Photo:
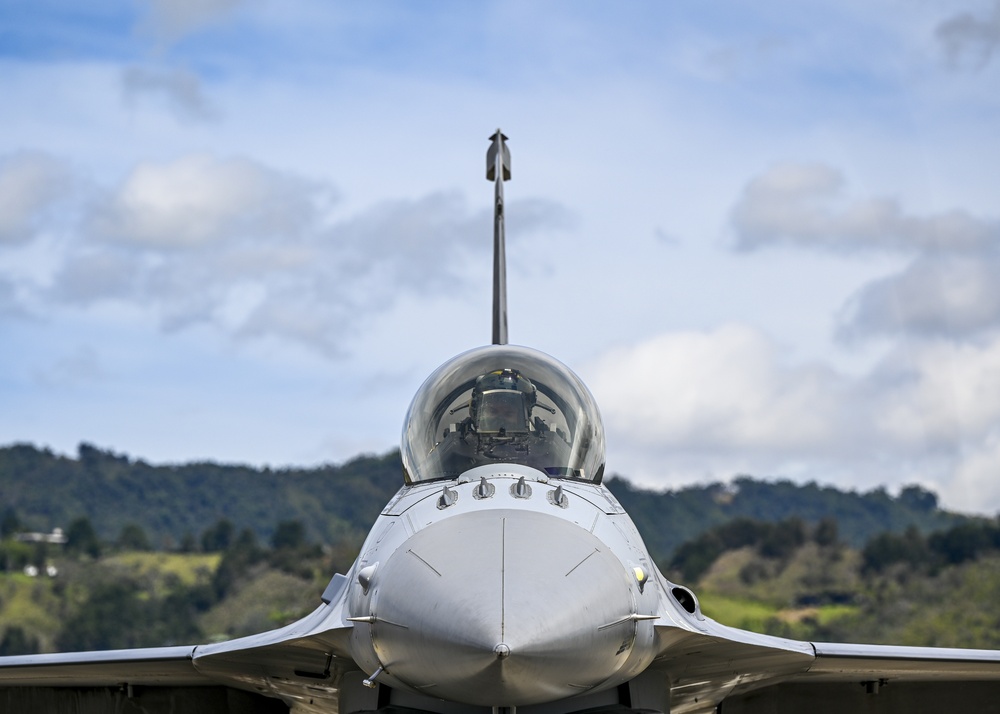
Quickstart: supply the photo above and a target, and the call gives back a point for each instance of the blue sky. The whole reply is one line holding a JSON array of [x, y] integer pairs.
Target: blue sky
[[765, 235]]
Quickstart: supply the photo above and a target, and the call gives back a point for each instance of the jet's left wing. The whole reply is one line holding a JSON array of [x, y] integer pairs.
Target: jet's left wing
[[877, 678], [714, 668]]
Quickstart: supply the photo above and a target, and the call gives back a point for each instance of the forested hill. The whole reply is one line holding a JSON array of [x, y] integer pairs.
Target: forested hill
[[172, 502], [669, 518], [338, 504]]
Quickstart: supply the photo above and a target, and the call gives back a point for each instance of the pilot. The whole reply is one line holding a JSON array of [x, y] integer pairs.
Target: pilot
[[501, 403]]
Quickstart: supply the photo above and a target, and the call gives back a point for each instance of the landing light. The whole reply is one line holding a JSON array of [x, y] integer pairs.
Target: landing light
[[640, 577]]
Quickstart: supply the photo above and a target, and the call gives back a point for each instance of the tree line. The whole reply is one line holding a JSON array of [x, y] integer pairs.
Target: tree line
[[911, 549], [339, 503], [110, 610]]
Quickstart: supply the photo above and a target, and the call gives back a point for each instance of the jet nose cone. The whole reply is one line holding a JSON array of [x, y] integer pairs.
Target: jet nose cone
[[502, 608]]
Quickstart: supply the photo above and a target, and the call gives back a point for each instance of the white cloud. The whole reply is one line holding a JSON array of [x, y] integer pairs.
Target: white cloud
[[220, 241], [257, 253], [728, 388], [936, 295], [423, 243], [803, 205], [948, 289], [413, 242], [977, 479], [95, 274], [199, 199], [31, 183], [938, 395], [715, 404]]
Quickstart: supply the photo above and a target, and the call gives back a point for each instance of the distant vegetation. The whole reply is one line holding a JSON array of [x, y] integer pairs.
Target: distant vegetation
[[62, 598], [667, 519], [157, 555], [174, 503], [337, 504], [816, 588]]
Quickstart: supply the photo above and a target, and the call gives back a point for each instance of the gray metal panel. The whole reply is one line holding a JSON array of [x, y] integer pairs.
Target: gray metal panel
[[335, 587], [151, 666], [838, 661]]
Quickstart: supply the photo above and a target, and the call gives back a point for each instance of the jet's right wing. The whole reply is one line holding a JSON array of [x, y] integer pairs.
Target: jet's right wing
[[300, 667]]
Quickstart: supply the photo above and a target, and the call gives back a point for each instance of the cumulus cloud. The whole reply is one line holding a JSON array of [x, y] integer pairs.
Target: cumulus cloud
[[200, 199], [31, 183], [367, 262], [728, 388], [92, 274], [938, 395], [728, 401], [170, 20], [181, 91], [804, 205], [211, 240], [977, 477], [935, 296], [948, 289], [258, 253], [969, 41], [411, 241]]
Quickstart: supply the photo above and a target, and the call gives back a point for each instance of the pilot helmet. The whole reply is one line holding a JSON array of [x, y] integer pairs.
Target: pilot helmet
[[501, 402]]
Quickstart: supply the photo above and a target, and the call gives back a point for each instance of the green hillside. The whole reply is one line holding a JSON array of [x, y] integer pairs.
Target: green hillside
[[666, 519], [171, 502], [940, 590], [147, 599], [338, 503]]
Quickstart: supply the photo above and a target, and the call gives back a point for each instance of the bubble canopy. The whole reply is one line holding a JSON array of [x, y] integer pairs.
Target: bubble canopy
[[503, 404]]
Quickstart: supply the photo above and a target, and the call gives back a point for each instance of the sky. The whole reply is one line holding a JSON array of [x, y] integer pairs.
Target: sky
[[765, 234]]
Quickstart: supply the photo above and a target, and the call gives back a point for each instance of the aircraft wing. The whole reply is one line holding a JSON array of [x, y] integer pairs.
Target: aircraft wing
[[298, 667], [98, 682], [731, 671], [153, 666]]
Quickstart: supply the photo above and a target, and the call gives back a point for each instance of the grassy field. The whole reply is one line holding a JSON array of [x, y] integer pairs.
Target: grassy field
[[41, 605], [754, 615], [187, 568], [33, 604]]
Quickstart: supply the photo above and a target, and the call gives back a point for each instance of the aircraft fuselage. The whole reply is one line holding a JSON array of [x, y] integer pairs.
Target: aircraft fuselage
[[503, 588]]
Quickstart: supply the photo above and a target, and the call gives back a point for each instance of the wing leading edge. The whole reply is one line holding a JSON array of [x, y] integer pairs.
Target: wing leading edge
[[714, 668], [154, 680], [300, 666], [884, 679], [146, 667]]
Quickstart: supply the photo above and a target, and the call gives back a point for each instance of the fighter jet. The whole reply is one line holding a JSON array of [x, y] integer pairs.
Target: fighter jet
[[504, 577]]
